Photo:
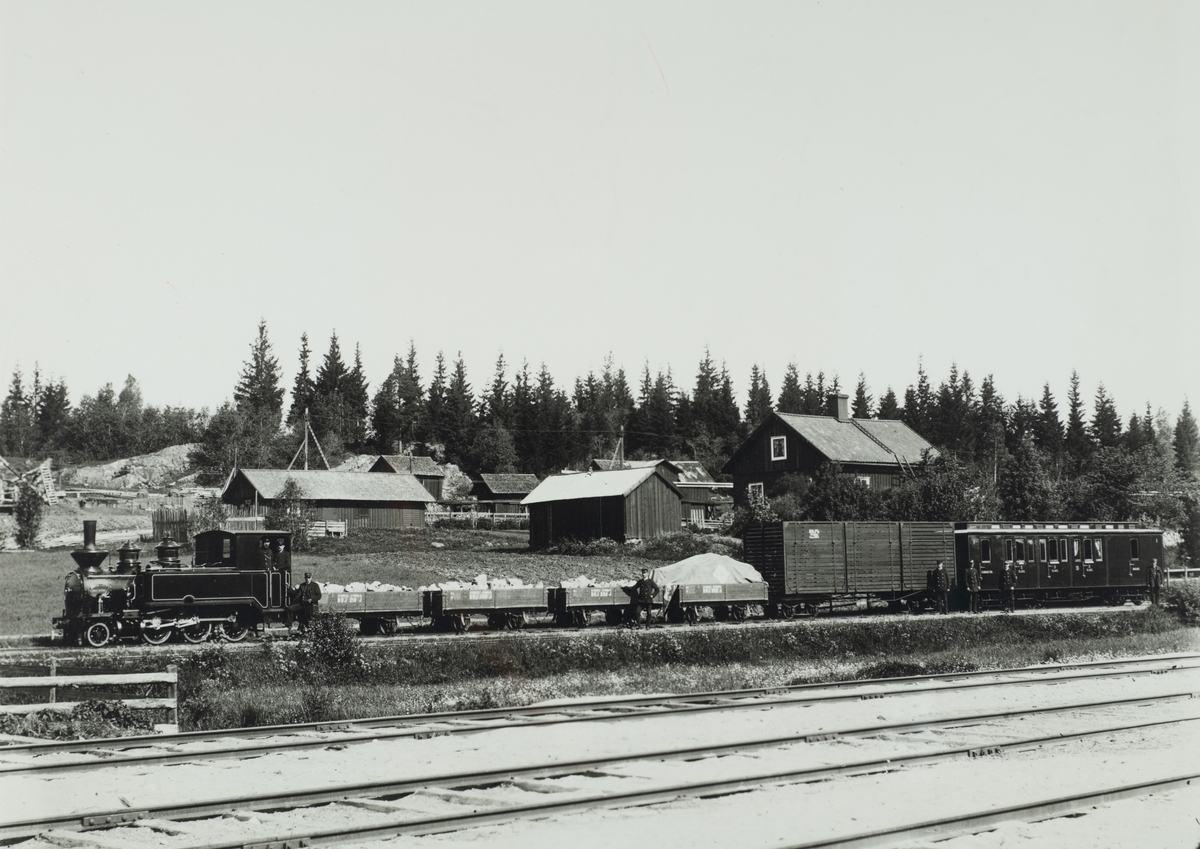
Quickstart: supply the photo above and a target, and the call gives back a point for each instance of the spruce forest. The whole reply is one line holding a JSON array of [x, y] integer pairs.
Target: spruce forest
[[1023, 459]]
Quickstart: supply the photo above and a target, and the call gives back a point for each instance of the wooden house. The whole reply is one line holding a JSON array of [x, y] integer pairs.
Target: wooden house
[[359, 500], [622, 504], [878, 451], [424, 469], [495, 493]]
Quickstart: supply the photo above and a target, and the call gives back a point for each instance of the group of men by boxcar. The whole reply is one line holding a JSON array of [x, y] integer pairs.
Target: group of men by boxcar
[[938, 584]]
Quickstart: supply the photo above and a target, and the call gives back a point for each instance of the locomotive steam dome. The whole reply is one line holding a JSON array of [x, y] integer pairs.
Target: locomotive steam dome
[[130, 556], [167, 551], [89, 557]]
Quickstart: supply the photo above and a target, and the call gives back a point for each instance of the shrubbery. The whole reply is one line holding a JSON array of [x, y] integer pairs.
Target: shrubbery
[[482, 521], [87, 720], [1183, 597]]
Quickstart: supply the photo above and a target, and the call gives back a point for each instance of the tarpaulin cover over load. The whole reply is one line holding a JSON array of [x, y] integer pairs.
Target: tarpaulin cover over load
[[706, 569]]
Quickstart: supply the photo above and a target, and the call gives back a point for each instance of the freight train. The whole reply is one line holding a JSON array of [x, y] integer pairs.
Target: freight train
[[239, 581]]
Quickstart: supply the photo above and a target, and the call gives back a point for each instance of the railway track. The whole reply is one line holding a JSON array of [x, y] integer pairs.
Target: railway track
[[28, 758], [386, 808]]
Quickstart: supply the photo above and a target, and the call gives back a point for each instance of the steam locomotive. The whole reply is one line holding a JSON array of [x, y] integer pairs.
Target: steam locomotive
[[239, 583]]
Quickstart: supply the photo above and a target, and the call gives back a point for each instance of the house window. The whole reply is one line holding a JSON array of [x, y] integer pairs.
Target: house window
[[865, 480], [754, 489], [778, 447]]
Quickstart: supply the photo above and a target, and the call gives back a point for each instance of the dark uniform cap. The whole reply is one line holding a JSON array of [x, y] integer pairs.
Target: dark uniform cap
[[308, 574]]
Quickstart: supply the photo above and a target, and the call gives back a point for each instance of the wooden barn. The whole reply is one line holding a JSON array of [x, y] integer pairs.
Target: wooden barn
[[424, 469], [502, 493], [878, 451], [360, 500], [704, 499], [622, 504]]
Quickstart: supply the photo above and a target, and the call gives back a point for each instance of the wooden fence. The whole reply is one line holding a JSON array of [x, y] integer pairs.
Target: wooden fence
[[172, 522], [54, 681]]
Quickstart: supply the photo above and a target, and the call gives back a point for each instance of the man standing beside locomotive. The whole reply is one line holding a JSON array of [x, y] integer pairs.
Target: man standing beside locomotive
[[643, 593], [971, 575], [308, 596]]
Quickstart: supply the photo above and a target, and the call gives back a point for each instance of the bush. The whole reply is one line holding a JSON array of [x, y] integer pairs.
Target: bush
[[291, 512], [482, 521], [28, 510], [330, 650], [1183, 597]]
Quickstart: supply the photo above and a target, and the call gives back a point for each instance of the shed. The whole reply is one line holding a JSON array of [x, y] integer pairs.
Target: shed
[[359, 500], [424, 469], [878, 451], [703, 499], [622, 504], [496, 493]]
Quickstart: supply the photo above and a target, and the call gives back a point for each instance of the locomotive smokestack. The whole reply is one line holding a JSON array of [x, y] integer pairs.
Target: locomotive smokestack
[[89, 557], [89, 534]]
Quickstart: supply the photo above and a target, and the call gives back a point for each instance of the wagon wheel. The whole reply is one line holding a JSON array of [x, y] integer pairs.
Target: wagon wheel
[[387, 626], [197, 633], [461, 623], [737, 613], [498, 621], [156, 636], [720, 613], [580, 619], [614, 616], [690, 615], [368, 627], [786, 611], [97, 634], [516, 621], [235, 632]]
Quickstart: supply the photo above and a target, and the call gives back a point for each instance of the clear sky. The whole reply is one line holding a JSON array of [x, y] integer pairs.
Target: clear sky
[[1011, 186]]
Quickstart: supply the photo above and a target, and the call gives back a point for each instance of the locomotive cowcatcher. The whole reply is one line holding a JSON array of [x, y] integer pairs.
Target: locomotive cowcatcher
[[238, 581]]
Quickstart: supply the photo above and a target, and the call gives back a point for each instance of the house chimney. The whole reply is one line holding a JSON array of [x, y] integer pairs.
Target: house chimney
[[839, 406]]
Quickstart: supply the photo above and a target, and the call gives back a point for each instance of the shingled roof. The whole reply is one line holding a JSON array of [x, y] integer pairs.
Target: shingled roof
[[880, 442], [592, 485], [335, 486], [510, 484], [423, 467]]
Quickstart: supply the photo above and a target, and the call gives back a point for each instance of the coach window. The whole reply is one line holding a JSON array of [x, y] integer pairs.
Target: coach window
[[985, 551], [1087, 550], [1020, 545], [1052, 551], [1008, 550], [1042, 550], [1099, 549], [778, 447], [1062, 550], [1134, 554], [226, 550]]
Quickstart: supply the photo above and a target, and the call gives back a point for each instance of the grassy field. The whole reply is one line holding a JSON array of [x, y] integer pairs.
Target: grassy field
[[33, 590]]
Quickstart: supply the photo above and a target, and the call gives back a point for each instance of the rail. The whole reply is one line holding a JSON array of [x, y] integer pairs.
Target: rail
[[54, 681]]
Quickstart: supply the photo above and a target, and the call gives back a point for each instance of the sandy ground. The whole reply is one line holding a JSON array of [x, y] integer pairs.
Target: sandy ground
[[777, 816]]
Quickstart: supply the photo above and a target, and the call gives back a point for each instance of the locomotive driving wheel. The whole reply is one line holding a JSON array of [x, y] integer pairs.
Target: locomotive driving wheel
[[156, 636], [197, 633], [235, 632], [98, 634]]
